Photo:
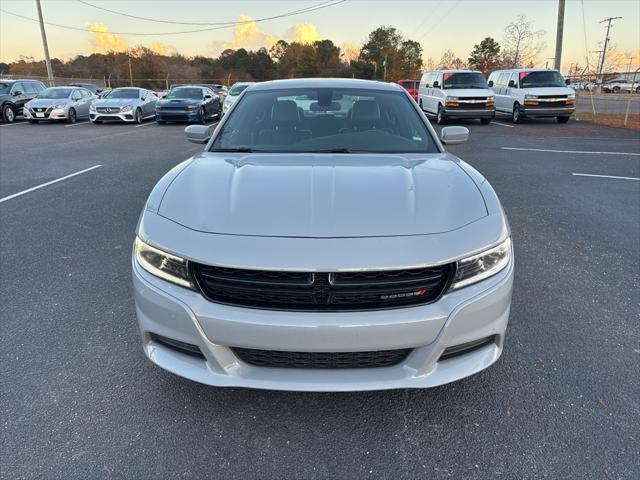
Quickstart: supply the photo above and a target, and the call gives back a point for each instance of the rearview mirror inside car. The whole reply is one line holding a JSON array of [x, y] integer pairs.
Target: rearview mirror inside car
[[198, 133], [454, 135]]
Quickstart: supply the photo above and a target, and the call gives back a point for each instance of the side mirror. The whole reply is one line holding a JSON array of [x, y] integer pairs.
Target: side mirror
[[490, 83], [198, 133], [567, 82], [454, 135], [512, 84], [436, 84], [208, 96], [16, 93], [143, 98]]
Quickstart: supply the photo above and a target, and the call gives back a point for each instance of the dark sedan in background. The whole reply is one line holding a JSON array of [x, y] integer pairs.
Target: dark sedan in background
[[188, 104]]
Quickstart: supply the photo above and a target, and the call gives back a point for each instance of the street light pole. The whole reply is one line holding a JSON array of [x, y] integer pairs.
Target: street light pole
[[45, 45]]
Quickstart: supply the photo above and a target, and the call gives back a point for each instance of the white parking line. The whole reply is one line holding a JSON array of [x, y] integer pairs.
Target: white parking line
[[12, 124], [568, 151], [77, 123], [493, 122], [145, 124], [48, 183], [604, 176]]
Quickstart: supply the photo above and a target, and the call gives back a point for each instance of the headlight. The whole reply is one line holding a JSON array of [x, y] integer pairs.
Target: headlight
[[92, 108], [191, 108], [451, 99], [530, 97], [491, 97], [473, 269], [55, 107], [126, 108], [571, 95], [162, 264]]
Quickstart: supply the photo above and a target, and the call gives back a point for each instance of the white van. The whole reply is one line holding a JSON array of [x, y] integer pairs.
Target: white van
[[532, 92], [456, 94]]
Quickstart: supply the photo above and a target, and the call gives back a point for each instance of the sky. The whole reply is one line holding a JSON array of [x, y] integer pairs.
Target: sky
[[439, 25]]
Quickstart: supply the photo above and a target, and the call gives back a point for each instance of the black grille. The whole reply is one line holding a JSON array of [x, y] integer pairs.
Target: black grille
[[322, 291], [279, 359]]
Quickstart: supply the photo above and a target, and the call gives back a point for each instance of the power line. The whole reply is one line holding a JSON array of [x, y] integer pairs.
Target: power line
[[221, 27], [287, 14]]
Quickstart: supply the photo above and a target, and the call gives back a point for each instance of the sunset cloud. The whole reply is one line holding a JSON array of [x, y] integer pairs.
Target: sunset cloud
[[103, 41], [303, 33], [249, 35]]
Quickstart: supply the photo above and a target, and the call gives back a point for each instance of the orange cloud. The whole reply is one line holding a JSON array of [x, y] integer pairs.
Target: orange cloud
[[303, 33], [103, 41], [249, 35]]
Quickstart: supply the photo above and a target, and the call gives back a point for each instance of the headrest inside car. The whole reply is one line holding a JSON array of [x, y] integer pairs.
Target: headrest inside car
[[285, 111], [365, 111]]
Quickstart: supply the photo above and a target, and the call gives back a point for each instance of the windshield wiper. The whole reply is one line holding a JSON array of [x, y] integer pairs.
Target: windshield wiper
[[338, 150]]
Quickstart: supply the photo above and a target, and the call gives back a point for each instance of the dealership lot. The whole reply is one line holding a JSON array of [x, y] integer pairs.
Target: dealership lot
[[81, 401]]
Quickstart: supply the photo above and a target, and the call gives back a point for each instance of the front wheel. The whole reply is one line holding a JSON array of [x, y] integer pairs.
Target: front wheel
[[562, 119], [637, 89], [71, 118], [138, 116], [440, 119], [485, 121], [616, 90], [516, 115], [8, 114]]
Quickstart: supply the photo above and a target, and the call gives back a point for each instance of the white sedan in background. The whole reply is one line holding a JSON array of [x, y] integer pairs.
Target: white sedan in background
[[235, 91]]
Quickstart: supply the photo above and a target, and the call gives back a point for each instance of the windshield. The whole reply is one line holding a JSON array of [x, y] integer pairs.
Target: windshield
[[124, 93], [410, 84], [544, 78], [325, 120], [463, 80], [55, 93], [185, 92], [5, 87], [237, 90]]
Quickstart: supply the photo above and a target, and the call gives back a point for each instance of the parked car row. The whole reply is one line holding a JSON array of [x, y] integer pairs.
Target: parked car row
[[183, 103], [518, 93]]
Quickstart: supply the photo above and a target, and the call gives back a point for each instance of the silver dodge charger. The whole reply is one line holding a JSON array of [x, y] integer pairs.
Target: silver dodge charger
[[324, 240]]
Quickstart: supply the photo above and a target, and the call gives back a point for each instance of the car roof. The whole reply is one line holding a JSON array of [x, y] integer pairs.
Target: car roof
[[463, 70], [325, 83], [539, 69]]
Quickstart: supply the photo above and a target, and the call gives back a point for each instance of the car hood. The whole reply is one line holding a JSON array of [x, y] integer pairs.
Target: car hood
[[469, 92], [323, 196], [46, 102], [179, 102], [116, 102], [548, 91]]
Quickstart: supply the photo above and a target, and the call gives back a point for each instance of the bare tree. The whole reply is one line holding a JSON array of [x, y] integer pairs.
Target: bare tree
[[521, 42], [449, 60]]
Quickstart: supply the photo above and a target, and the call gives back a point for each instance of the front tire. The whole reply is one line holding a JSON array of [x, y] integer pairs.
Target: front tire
[[72, 117], [138, 116], [562, 119], [8, 114], [485, 121], [516, 115], [616, 90], [440, 119]]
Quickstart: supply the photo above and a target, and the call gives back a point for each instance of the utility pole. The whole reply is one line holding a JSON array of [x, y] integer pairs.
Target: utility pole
[[130, 71], [606, 42], [45, 45], [559, 33]]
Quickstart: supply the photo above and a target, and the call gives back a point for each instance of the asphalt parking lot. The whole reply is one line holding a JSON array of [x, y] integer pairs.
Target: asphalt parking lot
[[81, 401]]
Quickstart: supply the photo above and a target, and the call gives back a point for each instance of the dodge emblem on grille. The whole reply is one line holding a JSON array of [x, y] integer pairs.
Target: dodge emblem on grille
[[403, 295]]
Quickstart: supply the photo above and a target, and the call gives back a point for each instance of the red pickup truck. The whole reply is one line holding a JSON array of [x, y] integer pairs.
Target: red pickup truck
[[411, 86]]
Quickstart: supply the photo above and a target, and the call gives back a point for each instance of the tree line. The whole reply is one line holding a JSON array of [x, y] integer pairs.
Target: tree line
[[385, 55]]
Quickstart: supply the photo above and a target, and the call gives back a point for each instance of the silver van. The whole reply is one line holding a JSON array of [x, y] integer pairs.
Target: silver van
[[456, 94], [532, 92]]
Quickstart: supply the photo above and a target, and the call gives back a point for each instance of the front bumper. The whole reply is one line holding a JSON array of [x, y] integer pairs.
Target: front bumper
[[105, 117], [178, 116], [548, 111], [47, 114], [469, 113], [476, 312]]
